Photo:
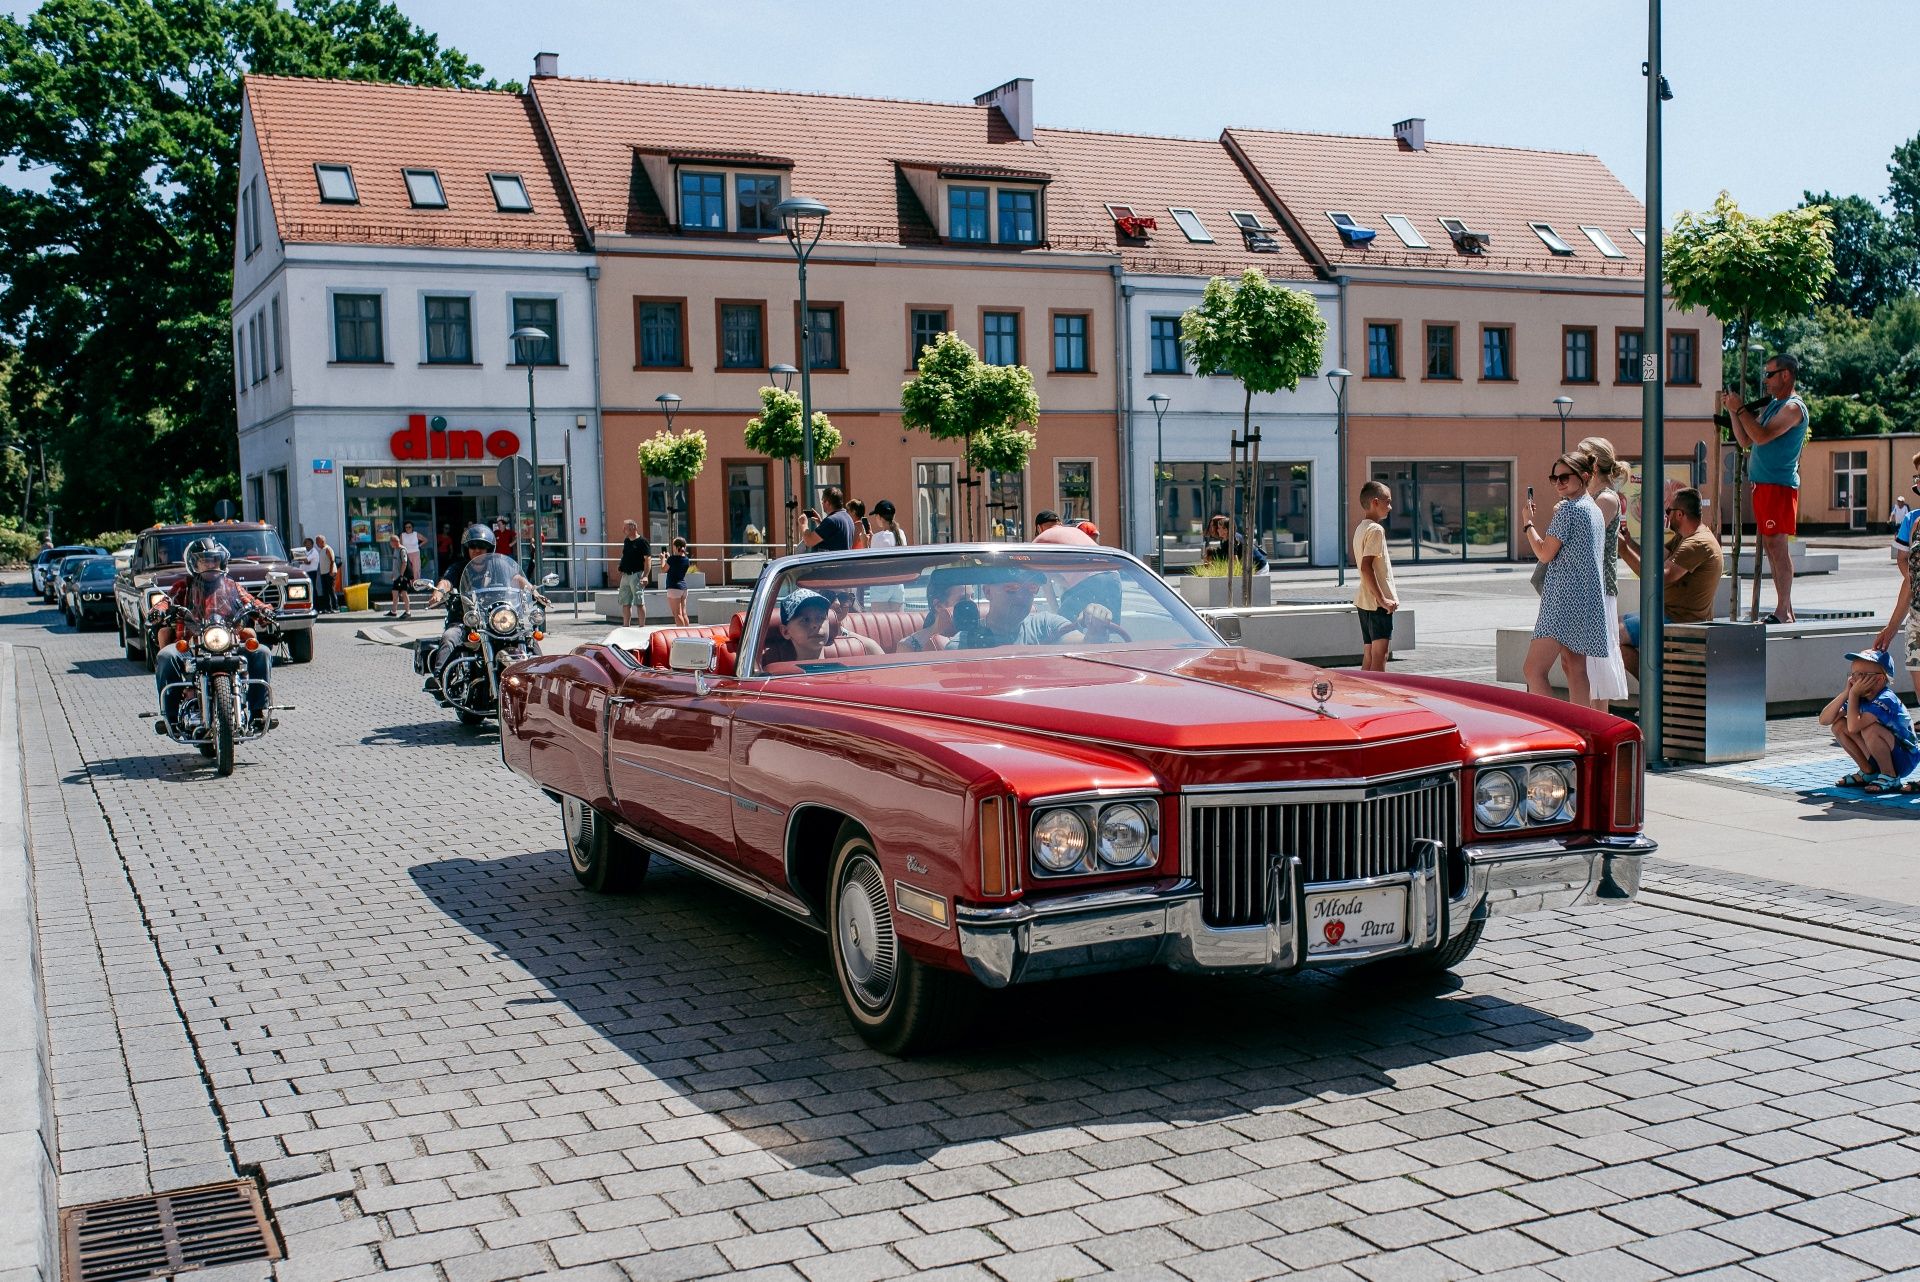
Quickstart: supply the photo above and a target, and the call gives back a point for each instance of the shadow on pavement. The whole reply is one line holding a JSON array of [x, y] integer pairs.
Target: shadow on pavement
[[423, 734], [107, 669], [735, 1005]]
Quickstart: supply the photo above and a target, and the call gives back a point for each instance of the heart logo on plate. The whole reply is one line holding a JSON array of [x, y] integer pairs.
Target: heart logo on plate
[[1334, 930]]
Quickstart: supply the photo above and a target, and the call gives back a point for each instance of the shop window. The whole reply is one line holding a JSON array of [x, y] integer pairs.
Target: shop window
[[449, 330], [927, 324], [933, 485], [1442, 360], [1627, 346], [356, 329], [1683, 358], [1006, 506], [1019, 217], [1445, 511], [746, 502], [1383, 350], [703, 201], [1279, 509], [967, 213], [1496, 354], [1163, 338], [742, 336], [1070, 343], [1576, 364], [542, 314], [755, 197], [1000, 338], [662, 328]]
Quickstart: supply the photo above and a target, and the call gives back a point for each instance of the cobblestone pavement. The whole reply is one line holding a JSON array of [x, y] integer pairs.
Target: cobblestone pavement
[[361, 968]]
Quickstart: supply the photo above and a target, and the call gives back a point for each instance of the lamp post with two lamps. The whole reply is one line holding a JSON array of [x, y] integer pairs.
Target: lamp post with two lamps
[[800, 216], [526, 342], [1159, 401], [1337, 380], [781, 376]]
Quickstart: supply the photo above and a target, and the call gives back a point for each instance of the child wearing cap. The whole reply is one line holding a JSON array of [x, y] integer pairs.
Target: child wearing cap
[[1869, 721], [799, 631]]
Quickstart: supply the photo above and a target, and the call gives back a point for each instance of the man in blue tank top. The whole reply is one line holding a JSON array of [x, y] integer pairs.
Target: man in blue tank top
[[1776, 436]]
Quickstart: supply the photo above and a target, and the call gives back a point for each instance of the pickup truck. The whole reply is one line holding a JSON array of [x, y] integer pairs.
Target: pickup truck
[[259, 564]]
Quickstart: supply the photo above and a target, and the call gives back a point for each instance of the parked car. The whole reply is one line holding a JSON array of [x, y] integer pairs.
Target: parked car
[[123, 555], [86, 593], [62, 574], [1089, 779], [48, 561], [259, 564]]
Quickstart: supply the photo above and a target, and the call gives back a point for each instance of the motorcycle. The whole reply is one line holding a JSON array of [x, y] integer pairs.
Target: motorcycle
[[209, 702], [502, 624]]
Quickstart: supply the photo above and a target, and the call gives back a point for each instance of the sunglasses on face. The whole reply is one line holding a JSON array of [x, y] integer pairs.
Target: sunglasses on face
[[1557, 477], [1771, 372]]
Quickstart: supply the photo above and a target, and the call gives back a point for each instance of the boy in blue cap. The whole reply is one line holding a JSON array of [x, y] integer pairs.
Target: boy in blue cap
[[1870, 722]]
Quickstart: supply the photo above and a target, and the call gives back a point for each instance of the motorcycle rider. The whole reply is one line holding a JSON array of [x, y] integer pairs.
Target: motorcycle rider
[[206, 590], [483, 567]]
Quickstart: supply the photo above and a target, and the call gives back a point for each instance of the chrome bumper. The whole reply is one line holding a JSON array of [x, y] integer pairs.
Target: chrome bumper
[[1159, 924]]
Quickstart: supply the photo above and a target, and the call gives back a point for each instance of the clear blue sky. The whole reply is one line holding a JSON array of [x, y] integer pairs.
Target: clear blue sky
[[1824, 111]]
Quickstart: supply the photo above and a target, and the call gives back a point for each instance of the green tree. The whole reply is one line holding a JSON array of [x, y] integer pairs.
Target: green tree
[[775, 432], [1903, 188], [1872, 262], [990, 408], [676, 458], [1265, 335], [115, 267], [1748, 272]]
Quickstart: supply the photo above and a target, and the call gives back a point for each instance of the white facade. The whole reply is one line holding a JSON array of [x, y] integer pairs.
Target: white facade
[[315, 429], [1204, 415]]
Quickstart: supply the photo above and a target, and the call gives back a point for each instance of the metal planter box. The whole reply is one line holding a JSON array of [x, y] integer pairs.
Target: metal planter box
[[1714, 696]]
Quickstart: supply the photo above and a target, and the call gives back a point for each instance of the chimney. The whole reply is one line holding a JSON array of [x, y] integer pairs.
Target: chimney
[[546, 65], [1411, 133], [1015, 100]]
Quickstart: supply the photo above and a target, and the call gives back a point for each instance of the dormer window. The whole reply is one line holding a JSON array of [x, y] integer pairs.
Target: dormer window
[[967, 213], [703, 201], [424, 190], [1019, 216], [510, 194], [336, 185], [1551, 239], [755, 198]]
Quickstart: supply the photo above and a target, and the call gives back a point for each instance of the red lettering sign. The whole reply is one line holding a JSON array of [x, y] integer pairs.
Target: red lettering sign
[[414, 443]]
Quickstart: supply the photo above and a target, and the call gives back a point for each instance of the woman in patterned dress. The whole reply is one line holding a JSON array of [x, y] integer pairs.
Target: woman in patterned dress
[[1607, 674], [1573, 615]]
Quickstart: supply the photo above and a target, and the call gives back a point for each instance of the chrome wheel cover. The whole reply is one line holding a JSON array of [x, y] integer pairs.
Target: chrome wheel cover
[[578, 819], [869, 949]]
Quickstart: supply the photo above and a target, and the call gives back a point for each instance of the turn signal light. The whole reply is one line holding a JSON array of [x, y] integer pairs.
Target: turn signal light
[[473, 638], [539, 636], [1626, 785], [181, 646], [252, 644], [993, 854]]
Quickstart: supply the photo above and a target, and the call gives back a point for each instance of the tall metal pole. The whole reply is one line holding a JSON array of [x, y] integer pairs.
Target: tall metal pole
[[572, 527], [806, 384], [533, 438], [1159, 403], [46, 488], [1652, 425], [1340, 468]]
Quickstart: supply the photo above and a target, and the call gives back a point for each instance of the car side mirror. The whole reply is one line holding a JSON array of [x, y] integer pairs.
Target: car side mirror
[[136, 564], [695, 655]]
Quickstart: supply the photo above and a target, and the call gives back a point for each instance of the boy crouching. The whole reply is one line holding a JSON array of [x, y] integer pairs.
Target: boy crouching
[[1869, 721]]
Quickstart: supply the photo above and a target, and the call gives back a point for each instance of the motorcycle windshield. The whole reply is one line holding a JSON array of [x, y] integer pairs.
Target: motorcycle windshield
[[489, 573], [505, 610], [220, 604]]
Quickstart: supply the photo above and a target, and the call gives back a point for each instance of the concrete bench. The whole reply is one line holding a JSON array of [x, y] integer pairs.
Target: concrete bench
[[654, 605], [1805, 560], [1324, 634]]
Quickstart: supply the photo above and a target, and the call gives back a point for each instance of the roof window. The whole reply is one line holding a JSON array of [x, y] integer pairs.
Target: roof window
[[510, 194], [1639, 234], [1466, 240], [1603, 242], [1405, 231], [424, 189], [336, 184], [1350, 231], [1259, 240], [1190, 225], [1551, 239], [1129, 223]]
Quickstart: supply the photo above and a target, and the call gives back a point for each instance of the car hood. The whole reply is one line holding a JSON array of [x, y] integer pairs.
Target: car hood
[[1177, 699]]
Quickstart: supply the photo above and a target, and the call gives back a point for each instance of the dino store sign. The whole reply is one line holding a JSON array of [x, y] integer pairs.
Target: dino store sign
[[417, 443]]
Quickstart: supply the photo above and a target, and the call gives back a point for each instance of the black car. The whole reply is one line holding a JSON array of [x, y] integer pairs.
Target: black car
[[86, 592], [49, 561]]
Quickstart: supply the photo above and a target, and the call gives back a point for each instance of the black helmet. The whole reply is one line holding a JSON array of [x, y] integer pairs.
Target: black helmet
[[478, 534], [202, 550]]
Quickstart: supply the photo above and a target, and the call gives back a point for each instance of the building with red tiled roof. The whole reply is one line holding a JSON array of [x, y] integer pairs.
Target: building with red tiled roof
[[388, 241]]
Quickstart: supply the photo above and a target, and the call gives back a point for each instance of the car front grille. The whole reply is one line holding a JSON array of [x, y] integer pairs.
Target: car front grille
[[1339, 835]]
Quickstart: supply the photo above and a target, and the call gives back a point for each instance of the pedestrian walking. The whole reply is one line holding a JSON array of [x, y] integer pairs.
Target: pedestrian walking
[[1898, 516], [410, 549], [636, 560], [308, 559], [323, 600], [677, 566], [1572, 626], [1776, 435], [1607, 673], [1375, 598]]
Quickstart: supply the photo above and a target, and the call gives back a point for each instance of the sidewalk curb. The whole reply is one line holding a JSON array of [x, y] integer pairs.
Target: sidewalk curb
[[29, 1198]]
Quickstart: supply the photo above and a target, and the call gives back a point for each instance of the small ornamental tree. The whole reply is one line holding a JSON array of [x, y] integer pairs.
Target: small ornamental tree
[[1748, 273], [775, 432], [959, 397], [676, 458], [1265, 335]]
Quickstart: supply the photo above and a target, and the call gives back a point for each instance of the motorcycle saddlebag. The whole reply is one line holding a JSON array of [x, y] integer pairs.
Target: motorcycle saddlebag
[[422, 654]]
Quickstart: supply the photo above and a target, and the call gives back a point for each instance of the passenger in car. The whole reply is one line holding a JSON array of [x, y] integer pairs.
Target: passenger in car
[[945, 589], [800, 635], [1011, 620]]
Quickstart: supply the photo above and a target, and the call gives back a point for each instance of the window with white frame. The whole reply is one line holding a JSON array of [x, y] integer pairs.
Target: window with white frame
[[1190, 225], [1403, 227], [1602, 241]]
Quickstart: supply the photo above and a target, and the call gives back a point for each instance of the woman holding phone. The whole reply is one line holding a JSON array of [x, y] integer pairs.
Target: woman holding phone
[[1572, 626]]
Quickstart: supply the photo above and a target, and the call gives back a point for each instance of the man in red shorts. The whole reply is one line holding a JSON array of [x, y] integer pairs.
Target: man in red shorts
[[1776, 436]]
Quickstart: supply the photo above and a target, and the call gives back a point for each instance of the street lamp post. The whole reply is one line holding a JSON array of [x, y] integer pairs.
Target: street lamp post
[[1653, 603], [669, 406], [782, 376], [1159, 401], [1337, 379], [526, 341], [799, 216], [1564, 404]]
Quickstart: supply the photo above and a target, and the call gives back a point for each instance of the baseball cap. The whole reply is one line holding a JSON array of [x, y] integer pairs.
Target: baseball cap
[[1878, 657], [884, 508], [1046, 515], [800, 599], [1091, 530]]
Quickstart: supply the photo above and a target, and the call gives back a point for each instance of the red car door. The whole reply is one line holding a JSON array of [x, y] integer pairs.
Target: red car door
[[668, 751]]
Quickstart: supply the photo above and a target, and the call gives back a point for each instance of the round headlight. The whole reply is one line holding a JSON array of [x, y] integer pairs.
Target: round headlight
[[216, 640], [1494, 799], [1548, 793], [1059, 840], [503, 619], [1123, 835]]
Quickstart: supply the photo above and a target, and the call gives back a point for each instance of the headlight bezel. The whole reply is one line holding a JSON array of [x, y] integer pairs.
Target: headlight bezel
[[503, 620], [1518, 778], [1091, 814], [1494, 811], [216, 639]]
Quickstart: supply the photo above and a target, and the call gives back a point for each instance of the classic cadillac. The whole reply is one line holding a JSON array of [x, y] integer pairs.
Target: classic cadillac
[[974, 766]]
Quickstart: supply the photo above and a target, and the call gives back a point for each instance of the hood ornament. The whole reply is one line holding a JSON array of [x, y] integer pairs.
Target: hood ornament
[[1321, 690]]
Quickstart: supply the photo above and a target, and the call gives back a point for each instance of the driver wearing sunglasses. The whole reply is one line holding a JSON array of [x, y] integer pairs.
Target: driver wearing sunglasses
[[1010, 618]]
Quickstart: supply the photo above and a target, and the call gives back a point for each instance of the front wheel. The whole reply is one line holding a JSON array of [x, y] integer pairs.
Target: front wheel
[[898, 1005], [222, 695], [603, 861], [300, 647]]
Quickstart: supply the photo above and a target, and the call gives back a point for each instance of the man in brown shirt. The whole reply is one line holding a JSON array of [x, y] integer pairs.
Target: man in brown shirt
[[1695, 565]]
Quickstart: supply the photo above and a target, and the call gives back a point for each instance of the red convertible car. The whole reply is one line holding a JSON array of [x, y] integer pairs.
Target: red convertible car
[[980, 766]]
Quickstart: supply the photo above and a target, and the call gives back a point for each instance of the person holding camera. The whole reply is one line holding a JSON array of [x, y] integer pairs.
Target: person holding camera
[[832, 532], [1776, 433]]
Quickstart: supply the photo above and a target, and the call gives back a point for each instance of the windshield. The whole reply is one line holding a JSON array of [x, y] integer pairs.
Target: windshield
[[490, 571], [95, 568], [257, 545], [71, 565], [914, 606]]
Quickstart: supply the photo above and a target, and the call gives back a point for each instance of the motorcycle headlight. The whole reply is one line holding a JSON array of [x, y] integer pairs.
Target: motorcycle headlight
[[217, 640], [1494, 799], [1549, 793], [1059, 840], [503, 619], [1124, 833]]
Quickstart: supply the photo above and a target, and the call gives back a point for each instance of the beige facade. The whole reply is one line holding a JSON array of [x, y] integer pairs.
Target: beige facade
[[1850, 484]]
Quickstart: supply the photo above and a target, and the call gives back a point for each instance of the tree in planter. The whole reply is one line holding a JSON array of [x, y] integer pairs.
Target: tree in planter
[[959, 397], [1265, 335], [775, 432], [676, 458], [1748, 272]]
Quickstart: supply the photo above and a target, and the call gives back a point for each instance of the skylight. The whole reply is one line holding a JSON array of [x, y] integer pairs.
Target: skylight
[[1258, 241], [1119, 212], [1191, 225], [1551, 238], [1603, 242], [336, 184], [1350, 231], [1405, 231], [1466, 240], [1638, 234], [510, 193], [424, 190]]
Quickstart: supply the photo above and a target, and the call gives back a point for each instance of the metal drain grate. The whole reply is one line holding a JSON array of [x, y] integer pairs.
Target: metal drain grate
[[153, 1237]]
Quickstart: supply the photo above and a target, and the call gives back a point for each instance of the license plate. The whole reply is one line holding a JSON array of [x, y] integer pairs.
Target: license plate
[[1356, 921]]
